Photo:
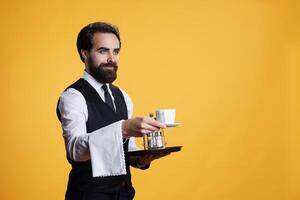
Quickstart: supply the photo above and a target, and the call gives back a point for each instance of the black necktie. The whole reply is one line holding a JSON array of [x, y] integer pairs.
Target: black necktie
[[109, 101], [107, 97]]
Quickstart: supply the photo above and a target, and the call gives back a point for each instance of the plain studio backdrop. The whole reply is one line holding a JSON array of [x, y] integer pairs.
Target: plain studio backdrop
[[229, 67]]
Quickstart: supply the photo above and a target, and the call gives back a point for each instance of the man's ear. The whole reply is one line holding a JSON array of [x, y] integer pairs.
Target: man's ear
[[84, 54]]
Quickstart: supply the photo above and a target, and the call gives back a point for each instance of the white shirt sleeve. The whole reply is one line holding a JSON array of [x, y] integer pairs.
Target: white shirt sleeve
[[73, 110]]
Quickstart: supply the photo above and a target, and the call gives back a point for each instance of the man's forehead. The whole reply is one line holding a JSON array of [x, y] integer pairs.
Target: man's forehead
[[108, 40]]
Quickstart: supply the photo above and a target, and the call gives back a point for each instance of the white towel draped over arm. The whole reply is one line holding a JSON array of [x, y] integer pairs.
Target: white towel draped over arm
[[107, 153]]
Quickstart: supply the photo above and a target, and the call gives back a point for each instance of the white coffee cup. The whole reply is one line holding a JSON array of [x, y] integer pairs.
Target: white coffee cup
[[166, 116]]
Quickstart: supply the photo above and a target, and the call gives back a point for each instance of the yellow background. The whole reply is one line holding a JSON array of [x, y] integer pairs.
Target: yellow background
[[229, 67]]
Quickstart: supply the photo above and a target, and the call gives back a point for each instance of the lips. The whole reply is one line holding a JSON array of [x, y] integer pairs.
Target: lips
[[110, 68]]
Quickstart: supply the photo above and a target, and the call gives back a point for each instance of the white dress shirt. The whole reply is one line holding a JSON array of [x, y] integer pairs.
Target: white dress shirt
[[104, 147]]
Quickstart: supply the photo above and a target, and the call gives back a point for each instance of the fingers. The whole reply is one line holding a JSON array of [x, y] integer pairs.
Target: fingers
[[153, 122], [148, 127], [144, 128], [140, 126]]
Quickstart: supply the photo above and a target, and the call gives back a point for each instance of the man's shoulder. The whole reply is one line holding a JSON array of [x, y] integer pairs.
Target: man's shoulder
[[71, 95], [79, 84], [69, 100], [82, 88], [73, 92]]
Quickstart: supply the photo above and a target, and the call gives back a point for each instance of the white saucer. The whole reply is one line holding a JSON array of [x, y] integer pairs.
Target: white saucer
[[172, 125]]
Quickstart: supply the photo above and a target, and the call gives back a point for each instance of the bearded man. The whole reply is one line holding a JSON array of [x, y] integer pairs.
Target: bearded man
[[97, 123]]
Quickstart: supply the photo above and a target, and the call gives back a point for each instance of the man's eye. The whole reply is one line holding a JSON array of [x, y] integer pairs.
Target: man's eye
[[116, 52], [102, 51]]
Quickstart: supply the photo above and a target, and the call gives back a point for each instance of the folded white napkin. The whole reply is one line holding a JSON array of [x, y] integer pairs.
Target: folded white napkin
[[106, 151]]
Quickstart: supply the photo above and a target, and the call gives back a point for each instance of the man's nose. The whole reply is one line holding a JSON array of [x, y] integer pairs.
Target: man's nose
[[110, 57]]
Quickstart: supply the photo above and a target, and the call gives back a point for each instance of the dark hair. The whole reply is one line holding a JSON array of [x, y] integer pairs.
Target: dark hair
[[85, 36]]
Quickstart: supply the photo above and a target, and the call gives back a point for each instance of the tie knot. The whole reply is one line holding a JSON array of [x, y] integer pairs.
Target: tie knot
[[104, 87]]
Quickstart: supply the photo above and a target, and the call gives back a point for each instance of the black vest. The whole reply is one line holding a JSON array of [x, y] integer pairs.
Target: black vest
[[99, 115]]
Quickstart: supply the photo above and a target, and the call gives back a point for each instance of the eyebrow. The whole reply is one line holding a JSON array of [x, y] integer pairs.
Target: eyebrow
[[106, 49]]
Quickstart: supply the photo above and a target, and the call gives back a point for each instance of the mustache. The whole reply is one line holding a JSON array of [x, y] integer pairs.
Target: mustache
[[110, 64]]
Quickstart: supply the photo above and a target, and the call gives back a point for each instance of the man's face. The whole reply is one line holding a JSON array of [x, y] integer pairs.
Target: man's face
[[102, 60]]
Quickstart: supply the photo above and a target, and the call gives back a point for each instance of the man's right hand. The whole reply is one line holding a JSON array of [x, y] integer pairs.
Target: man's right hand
[[139, 126]]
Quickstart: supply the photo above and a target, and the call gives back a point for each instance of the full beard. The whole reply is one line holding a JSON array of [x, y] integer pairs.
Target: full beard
[[105, 72]]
